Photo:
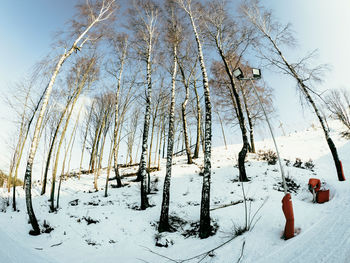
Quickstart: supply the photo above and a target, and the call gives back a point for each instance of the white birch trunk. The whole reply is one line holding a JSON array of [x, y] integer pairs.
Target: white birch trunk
[[164, 215]]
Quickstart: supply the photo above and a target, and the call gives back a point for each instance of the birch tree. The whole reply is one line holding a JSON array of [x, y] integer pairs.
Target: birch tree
[[143, 23], [205, 227], [173, 37]]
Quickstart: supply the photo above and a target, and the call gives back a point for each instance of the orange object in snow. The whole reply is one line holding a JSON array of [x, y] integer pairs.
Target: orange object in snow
[[322, 196], [342, 171], [287, 207], [314, 184]]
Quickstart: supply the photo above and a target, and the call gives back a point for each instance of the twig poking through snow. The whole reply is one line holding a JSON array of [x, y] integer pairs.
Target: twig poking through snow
[[240, 257]]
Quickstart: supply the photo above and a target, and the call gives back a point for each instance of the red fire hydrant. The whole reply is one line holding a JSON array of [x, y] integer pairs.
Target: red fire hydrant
[[319, 196], [314, 187], [287, 208]]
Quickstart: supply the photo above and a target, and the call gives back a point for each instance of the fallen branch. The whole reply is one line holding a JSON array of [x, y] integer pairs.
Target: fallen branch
[[231, 204], [55, 245], [149, 170]]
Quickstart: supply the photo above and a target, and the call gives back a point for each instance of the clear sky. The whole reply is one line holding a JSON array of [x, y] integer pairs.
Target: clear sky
[[27, 28]]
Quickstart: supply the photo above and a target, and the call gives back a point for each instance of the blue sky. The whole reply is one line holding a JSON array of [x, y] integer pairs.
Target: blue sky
[[27, 29]]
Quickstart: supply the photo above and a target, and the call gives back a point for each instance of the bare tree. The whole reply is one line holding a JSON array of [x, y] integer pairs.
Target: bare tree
[[338, 104], [273, 35]]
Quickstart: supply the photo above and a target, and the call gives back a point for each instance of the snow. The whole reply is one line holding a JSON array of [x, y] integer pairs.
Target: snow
[[125, 234]]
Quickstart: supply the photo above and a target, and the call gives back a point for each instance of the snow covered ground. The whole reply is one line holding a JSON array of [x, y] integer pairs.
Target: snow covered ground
[[122, 233]]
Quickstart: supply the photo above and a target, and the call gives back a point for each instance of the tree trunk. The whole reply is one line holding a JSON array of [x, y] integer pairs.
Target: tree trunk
[[70, 145], [116, 120], [54, 172], [22, 138], [116, 168], [184, 119], [157, 140], [199, 118], [163, 154], [110, 157], [142, 170], [84, 143], [35, 142], [99, 152], [152, 134], [95, 146], [162, 133], [164, 215], [242, 154], [205, 227], [58, 192]]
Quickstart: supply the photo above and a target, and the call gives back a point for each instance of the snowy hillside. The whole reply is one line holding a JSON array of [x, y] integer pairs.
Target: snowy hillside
[[91, 228]]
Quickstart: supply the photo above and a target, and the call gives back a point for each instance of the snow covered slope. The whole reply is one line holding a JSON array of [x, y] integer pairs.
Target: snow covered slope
[[122, 233]]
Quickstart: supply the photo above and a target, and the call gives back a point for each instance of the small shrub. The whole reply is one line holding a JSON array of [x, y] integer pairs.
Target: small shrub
[[90, 220], [287, 162], [91, 242], [298, 163], [269, 156], [161, 241], [46, 228], [291, 185], [310, 165], [239, 230], [194, 229]]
